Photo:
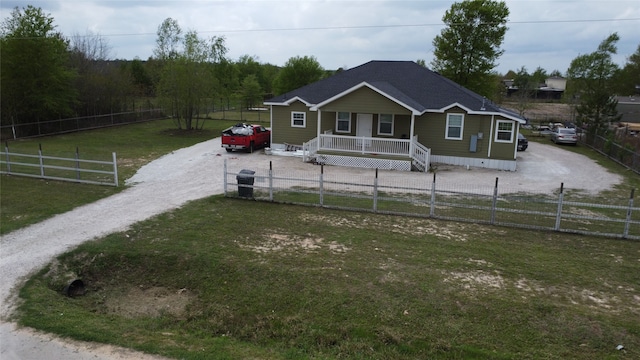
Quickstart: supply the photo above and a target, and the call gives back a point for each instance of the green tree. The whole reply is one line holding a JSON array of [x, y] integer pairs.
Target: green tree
[[228, 82], [628, 80], [188, 83], [36, 81], [466, 50], [555, 73], [264, 73], [539, 77], [169, 38], [591, 82], [141, 78], [297, 72], [526, 85], [251, 92]]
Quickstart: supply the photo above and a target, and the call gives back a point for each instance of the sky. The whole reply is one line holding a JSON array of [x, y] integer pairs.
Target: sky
[[345, 34]]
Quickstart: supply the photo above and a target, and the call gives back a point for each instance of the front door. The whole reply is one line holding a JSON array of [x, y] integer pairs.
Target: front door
[[364, 127]]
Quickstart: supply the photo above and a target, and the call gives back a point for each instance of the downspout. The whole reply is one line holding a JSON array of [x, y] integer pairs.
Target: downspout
[[319, 128], [490, 136], [271, 124], [515, 148]]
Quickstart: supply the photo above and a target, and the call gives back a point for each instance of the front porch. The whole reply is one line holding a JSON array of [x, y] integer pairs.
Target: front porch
[[367, 152]]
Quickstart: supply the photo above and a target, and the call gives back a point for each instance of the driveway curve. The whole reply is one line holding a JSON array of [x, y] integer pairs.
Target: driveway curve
[[196, 172]]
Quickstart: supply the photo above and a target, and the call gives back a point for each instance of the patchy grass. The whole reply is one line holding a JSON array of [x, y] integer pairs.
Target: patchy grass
[[225, 278], [25, 201]]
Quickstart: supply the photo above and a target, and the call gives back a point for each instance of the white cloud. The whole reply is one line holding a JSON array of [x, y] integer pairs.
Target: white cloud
[[545, 33]]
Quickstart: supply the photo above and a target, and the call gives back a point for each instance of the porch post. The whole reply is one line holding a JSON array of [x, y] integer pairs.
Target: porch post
[[319, 129], [411, 132]]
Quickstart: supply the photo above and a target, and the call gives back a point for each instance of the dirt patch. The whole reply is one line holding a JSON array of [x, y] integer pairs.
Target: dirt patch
[[400, 225], [483, 281], [148, 302], [544, 112], [278, 242], [478, 280]]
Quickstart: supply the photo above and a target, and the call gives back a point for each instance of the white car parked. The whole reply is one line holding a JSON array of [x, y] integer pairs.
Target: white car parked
[[561, 135]]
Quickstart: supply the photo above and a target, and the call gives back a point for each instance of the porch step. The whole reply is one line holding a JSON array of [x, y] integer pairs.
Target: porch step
[[292, 147], [416, 166]]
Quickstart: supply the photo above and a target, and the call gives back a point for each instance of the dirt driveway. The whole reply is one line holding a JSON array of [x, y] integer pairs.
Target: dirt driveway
[[194, 173]]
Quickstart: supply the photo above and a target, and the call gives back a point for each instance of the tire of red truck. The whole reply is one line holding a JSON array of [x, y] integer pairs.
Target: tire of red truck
[[229, 149]]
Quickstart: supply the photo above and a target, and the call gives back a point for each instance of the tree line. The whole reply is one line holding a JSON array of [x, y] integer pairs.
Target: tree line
[[46, 75]]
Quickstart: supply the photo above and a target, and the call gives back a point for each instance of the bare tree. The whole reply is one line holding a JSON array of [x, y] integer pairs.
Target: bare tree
[[103, 88], [92, 46]]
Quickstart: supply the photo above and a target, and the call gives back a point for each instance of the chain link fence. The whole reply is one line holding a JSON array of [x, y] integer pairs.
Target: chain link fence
[[625, 155], [392, 193], [60, 126]]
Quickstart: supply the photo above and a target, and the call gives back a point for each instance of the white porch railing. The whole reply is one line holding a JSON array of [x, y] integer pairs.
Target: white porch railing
[[309, 149], [364, 145], [420, 156], [368, 145]]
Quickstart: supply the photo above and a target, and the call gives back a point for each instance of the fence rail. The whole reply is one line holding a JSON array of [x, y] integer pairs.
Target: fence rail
[[61, 126], [75, 169], [623, 155], [426, 197]]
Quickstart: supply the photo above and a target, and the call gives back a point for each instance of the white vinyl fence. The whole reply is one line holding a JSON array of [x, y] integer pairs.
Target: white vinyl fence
[[98, 172], [390, 193]]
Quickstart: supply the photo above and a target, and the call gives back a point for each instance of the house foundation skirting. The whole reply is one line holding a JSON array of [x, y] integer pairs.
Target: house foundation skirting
[[509, 165], [363, 162]]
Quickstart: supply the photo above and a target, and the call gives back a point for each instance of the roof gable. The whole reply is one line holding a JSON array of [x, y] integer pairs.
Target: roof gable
[[383, 89]]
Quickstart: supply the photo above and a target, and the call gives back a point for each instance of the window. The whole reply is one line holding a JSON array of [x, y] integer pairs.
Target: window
[[385, 124], [343, 122], [455, 123], [298, 119], [504, 131]]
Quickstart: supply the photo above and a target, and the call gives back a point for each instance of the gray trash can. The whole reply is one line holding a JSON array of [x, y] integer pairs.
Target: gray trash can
[[245, 183]]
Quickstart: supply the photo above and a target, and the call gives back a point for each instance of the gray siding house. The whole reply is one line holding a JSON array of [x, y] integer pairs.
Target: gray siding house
[[395, 115]]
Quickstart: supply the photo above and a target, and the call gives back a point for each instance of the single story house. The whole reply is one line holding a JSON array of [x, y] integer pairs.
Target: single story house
[[394, 115], [552, 89]]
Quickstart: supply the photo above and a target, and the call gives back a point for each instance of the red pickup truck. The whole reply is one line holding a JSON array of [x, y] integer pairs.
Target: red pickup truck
[[245, 137]]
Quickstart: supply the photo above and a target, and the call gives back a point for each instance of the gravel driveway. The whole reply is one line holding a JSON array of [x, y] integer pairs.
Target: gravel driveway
[[194, 173]]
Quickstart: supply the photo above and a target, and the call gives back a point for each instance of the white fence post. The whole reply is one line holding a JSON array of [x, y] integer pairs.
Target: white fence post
[[41, 160], [225, 177], [494, 203], [375, 192], [432, 205], [321, 185], [270, 180], [304, 151], [115, 168], [628, 220], [6, 151], [77, 164]]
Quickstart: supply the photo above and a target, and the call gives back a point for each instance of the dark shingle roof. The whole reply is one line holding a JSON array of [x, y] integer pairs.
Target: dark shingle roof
[[406, 81]]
